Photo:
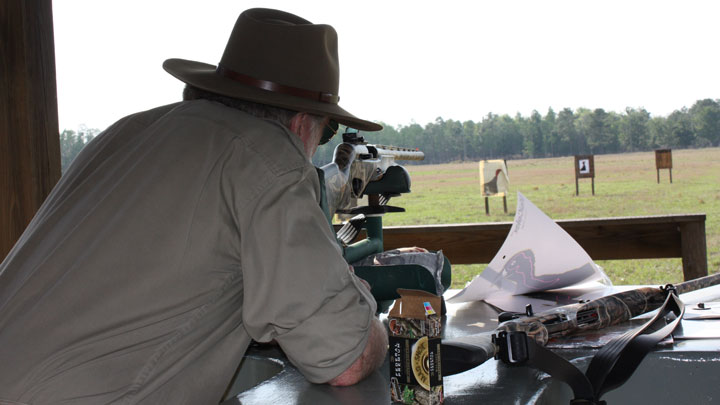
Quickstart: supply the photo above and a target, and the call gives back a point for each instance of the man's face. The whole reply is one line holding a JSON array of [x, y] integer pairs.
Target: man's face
[[310, 129]]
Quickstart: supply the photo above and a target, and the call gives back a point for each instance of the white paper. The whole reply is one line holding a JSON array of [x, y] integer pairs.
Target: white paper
[[545, 300], [537, 255]]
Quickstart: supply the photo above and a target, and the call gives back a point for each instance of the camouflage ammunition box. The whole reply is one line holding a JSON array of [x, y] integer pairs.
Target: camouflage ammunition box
[[415, 367]]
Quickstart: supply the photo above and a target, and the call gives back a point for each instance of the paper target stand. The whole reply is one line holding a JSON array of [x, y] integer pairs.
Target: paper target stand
[[663, 160], [584, 168], [494, 181]]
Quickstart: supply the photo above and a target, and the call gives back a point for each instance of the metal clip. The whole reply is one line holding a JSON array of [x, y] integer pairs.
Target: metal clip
[[669, 288], [512, 347]]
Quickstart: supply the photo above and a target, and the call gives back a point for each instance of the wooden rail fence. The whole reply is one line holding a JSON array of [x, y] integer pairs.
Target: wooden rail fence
[[621, 238]]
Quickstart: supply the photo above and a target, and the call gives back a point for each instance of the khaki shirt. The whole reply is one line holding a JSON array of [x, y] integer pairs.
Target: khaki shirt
[[176, 237]]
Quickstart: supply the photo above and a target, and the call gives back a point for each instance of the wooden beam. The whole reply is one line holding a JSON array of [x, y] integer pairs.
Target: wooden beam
[[664, 236], [29, 140]]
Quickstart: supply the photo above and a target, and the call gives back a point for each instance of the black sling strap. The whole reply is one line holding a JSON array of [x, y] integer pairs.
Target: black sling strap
[[613, 365]]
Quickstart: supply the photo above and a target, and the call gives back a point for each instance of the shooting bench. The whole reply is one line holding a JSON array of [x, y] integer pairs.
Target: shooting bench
[[621, 238], [688, 364]]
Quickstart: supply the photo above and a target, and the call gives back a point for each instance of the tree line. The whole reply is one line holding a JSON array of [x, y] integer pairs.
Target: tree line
[[72, 142], [563, 133]]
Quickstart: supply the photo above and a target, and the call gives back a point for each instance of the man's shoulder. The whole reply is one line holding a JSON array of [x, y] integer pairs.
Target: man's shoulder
[[147, 117], [268, 140], [260, 141]]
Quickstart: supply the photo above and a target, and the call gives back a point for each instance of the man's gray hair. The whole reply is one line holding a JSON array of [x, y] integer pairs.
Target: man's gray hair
[[281, 115]]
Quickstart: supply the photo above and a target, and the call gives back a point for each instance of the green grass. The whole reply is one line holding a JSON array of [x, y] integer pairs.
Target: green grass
[[625, 185]]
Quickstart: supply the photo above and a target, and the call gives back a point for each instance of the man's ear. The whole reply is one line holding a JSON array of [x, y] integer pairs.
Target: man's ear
[[296, 123], [302, 125]]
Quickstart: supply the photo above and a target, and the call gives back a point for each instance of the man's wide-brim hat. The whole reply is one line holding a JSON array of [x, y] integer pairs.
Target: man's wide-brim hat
[[279, 59]]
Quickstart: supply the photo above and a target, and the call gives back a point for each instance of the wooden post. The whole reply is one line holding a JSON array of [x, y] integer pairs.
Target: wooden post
[[694, 249], [505, 195], [487, 205], [29, 140], [577, 186]]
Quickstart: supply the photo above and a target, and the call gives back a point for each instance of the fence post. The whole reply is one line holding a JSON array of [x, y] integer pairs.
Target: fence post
[[694, 249]]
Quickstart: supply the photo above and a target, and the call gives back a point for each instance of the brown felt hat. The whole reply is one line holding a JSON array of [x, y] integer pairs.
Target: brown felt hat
[[279, 59]]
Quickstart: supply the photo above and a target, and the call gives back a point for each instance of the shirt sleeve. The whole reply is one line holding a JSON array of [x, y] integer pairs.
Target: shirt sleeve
[[298, 289]]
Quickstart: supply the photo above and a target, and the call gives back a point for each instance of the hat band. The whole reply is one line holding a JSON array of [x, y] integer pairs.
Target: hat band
[[276, 87]]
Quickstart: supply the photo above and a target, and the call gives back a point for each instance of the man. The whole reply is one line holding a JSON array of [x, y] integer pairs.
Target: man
[[183, 232]]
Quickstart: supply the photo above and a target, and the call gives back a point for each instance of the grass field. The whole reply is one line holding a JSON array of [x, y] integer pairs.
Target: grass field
[[625, 185]]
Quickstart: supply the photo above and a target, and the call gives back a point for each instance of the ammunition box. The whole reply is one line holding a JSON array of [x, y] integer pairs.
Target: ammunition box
[[415, 359]]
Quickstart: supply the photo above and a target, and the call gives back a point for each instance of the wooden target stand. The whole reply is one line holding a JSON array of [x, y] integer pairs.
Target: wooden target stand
[[663, 160], [504, 196], [584, 168], [487, 205]]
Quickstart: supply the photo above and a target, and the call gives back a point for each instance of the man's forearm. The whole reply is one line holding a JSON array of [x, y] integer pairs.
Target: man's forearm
[[371, 358]]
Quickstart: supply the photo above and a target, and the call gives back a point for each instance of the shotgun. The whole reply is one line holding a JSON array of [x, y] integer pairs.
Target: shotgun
[[467, 352]]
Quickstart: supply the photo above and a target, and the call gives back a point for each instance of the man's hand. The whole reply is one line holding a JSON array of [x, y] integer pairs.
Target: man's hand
[[371, 358]]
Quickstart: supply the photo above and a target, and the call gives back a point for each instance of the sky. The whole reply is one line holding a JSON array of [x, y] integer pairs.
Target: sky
[[404, 62]]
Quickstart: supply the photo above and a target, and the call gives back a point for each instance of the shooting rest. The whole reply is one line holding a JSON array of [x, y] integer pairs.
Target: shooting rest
[[393, 181]]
